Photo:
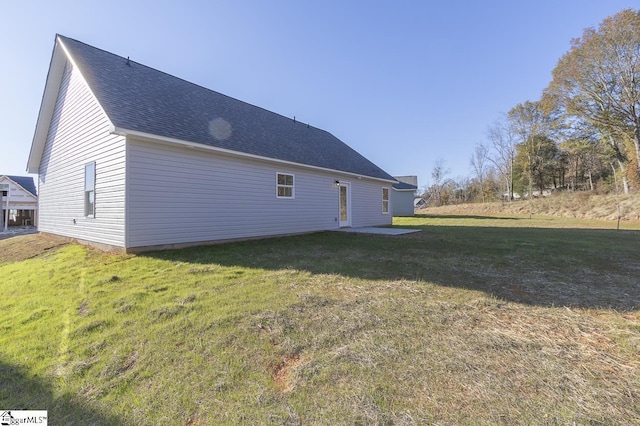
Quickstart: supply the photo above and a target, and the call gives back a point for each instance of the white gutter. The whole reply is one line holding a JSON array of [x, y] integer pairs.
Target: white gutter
[[151, 137]]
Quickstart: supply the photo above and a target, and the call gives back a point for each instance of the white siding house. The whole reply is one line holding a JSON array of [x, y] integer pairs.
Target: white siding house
[[132, 159], [404, 192], [18, 201]]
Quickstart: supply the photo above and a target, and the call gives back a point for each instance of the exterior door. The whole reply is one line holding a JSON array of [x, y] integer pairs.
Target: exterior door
[[345, 205]]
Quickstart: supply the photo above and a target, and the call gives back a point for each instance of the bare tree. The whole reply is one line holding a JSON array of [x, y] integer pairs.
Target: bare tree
[[502, 154], [478, 162], [439, 183]]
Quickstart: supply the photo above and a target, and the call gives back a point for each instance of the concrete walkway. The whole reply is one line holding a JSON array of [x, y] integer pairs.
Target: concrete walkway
[[381, 231], [13, 231]]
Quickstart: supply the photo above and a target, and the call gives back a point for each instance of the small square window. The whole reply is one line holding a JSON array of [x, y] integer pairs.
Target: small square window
[[284, 185]]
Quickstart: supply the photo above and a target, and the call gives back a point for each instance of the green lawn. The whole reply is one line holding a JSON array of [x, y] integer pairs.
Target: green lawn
[[474, 320]]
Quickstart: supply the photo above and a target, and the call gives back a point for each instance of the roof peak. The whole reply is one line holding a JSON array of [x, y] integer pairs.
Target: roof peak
[[25, 182]]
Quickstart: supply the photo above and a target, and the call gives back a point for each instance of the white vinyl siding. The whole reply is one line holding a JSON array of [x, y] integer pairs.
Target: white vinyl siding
[[402, 202], [79, 134], [179, 195], [365, 204]]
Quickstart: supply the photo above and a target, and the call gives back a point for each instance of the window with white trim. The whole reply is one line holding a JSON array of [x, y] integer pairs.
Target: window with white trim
[[385, 200], [90, 189], [284, 185]]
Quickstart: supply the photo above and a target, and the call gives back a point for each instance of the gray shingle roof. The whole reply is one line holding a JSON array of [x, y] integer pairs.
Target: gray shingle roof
[[26, 182], [403, 186], [136, 97]]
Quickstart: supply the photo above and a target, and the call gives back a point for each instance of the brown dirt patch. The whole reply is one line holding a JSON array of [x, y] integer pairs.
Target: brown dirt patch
[[283, 372], [22, 247]]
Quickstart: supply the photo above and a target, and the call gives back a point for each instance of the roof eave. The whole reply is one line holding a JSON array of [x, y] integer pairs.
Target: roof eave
[[195, 145], [47, 106]]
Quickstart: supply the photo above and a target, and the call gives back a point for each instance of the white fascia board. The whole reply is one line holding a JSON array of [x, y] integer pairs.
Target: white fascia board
[[59, 59], [194, 145], [21, 205], [47, 106], [405, 190]]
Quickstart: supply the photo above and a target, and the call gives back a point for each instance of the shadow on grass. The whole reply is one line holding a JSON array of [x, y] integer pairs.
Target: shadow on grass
[[21, 391], [546, 267]]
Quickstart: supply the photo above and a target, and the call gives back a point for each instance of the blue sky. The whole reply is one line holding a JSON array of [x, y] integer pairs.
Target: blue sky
[[405, 83]]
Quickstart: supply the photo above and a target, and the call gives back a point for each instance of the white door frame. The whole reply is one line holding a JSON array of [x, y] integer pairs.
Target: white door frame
[[344, 223]]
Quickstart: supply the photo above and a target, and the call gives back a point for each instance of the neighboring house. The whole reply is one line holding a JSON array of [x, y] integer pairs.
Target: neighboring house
[[515, 195], [404, 192], [419, 202], [19, 201], [133, 159]]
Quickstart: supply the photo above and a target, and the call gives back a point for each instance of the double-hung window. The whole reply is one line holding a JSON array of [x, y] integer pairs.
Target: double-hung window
[[385, 200], [90, 189], [284, 185]]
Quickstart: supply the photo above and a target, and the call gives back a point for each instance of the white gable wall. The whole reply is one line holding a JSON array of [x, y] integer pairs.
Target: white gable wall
[[19, 198], [79, 133], [179, 195]]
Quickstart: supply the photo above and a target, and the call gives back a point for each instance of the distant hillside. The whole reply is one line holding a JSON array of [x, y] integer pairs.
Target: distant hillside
[[579, 205]]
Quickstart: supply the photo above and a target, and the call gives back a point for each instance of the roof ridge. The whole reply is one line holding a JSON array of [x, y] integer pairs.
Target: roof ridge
[[144, 99], [293, 119]]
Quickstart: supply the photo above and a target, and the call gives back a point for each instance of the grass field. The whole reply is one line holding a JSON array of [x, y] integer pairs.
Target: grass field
[[475, 320]]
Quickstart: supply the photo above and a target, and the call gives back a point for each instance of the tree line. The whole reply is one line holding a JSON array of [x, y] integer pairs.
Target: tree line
[[583, 134]]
